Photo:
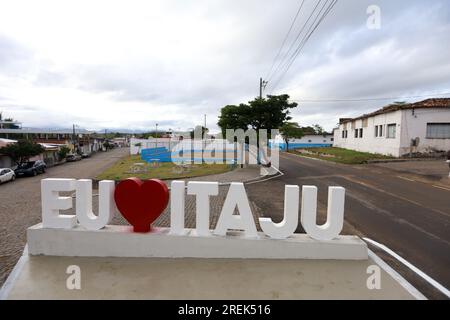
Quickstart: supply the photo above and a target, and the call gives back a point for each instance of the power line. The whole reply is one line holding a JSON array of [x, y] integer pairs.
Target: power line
[[313, 27], [370, 99], [285, 39], [286, 61], [283, 59]]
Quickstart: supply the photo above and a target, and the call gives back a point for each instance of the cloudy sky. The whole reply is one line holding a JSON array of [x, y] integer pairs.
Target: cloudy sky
[[131, 64]]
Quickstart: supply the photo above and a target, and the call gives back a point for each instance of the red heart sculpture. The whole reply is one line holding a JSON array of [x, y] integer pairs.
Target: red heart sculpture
[[141, 202]]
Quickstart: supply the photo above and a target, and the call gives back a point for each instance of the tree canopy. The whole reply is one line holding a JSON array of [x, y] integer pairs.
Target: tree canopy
[[261, 113], [291, 130], [22, 151]]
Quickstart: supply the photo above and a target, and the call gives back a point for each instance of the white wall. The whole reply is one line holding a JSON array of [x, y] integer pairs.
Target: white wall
[[186, 144], [411, 124], [415, 126], [370, 143], [314, 139], [6, 162]]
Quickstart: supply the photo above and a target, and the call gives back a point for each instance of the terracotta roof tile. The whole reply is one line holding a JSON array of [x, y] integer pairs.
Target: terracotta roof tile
[[425, 104]]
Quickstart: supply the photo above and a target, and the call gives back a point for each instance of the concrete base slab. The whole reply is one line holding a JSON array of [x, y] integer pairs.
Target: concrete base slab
[[43, 277], [120, 241]]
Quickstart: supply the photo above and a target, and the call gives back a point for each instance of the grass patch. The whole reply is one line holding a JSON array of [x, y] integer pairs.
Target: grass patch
[[167, 170], [340, 155]]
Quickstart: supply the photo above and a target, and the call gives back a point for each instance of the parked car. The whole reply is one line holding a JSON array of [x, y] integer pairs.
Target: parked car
[[73, 157], [6, 175], [85, 155], [30, 168]]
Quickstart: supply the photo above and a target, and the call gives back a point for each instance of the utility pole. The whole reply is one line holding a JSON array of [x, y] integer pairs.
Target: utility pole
[[73, 138], [262, 86], [105, 143], [156, 135], [204, 134]]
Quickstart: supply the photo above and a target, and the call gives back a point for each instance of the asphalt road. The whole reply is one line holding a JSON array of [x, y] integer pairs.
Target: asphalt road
[[410, 217], [20, 203]]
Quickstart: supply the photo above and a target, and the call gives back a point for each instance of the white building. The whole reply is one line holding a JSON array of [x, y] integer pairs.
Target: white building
[[399, 129], [307, 141]]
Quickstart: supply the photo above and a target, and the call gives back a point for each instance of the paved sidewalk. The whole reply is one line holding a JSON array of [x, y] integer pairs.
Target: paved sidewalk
[[236, 175]]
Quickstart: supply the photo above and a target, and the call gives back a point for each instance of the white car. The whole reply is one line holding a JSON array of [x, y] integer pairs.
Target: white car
[[7, 175]]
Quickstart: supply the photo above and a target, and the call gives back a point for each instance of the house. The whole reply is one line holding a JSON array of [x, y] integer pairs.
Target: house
[[78, 140], [49, 156], [6, 161], [398, 129], [121, 142]]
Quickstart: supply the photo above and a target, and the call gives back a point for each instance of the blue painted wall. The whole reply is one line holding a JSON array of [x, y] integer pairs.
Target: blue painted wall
[[163, 155], [292, 146]]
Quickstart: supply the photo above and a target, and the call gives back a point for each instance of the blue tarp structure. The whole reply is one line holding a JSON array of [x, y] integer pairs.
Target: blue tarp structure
[[162, 154]]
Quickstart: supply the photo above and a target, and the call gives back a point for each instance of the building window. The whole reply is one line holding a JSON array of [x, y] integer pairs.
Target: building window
[[379, 131], [391, 131], [361, 133], [438, 130], [332, 139], [344, 134], [356, 133]]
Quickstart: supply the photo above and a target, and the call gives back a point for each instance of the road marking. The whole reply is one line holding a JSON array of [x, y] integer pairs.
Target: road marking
[[441, 187], [396, 276], [404, 178], [419, 272], [370, 186], [395, 195]]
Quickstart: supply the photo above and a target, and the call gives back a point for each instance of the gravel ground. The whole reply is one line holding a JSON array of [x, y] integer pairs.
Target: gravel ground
[[20, 202]]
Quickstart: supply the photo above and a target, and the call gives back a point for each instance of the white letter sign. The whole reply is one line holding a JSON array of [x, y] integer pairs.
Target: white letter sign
[[287, 227], [106, 205], [202, 191], [52, 203], [335, 213], [236, 198], [177, 200]]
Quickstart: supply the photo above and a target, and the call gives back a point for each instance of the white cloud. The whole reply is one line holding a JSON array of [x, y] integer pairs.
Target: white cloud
[[130, 64]]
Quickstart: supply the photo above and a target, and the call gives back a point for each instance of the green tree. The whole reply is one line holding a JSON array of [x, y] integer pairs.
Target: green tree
[[22, 151], [108, 145], [291, 130], [63, 152], [318, 129], [262, 113]]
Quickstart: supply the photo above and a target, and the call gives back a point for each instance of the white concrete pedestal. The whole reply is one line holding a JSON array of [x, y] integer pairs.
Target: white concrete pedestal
[[120, 241]]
